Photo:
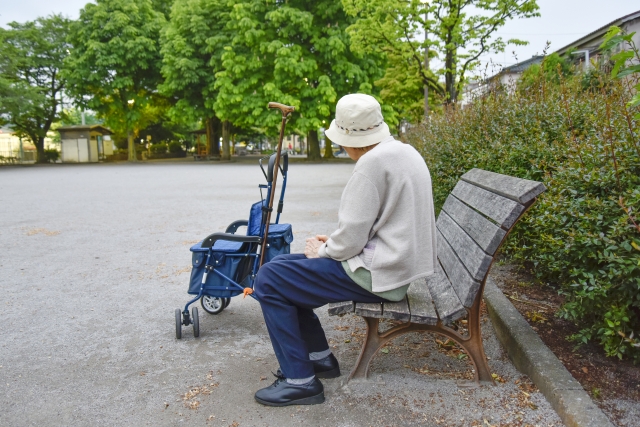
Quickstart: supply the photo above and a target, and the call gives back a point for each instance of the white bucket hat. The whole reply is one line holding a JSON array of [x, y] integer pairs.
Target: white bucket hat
[[358, 122]]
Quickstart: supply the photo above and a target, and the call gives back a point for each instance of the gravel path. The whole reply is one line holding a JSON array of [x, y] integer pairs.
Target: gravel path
[[94, 261]]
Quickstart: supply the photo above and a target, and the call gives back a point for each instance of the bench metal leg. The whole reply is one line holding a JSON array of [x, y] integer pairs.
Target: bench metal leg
[[472, 344]]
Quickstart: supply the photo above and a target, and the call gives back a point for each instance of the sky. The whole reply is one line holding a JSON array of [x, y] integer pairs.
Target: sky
[[562, 22]]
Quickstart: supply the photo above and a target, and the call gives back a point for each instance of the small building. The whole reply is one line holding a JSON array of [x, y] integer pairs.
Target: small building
[[588, 46], [85, 143]]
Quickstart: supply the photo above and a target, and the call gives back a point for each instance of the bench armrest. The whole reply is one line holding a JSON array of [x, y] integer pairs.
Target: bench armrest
[[211, 239]]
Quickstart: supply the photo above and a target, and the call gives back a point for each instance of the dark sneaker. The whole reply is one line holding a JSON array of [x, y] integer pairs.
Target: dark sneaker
[[327, 367], [323, 368], [281, 393]]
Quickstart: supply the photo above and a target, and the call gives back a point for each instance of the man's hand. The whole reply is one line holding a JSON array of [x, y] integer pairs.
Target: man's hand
[[322, 238], [311, 248]]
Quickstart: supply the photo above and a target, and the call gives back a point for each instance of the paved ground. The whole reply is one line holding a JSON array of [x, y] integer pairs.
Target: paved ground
[[94, 260]]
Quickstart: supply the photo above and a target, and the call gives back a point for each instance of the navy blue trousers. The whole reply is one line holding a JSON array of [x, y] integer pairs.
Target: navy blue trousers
[[288, 288]]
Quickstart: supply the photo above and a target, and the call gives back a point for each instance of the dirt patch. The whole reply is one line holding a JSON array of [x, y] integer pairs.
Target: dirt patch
[[606, 379]]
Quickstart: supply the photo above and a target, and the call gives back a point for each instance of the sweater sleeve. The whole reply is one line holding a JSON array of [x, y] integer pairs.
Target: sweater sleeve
[[359, 207]]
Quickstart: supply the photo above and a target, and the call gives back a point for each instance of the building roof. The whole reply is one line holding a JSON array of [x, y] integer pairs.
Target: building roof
[[91, 128], [599, 32], [523, 65], [519, 67]]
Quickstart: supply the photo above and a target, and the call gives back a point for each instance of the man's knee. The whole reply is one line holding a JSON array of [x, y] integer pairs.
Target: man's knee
[[264, 279], [277, 258]]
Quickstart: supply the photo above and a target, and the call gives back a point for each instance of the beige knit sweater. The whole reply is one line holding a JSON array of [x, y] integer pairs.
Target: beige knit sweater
[[386, 221]]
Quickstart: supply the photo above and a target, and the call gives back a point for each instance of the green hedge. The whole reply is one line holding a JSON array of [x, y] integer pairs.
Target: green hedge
[[579, 137]]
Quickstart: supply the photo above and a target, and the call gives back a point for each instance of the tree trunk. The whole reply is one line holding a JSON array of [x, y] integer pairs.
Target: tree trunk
[[131, 147], [39, 143], [328, 148], [216, 130], [313, 145], [208, 131], [226, 133], [450, 79]]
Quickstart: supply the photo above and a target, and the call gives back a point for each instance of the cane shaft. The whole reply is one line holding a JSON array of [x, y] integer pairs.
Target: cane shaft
[[286, 110]]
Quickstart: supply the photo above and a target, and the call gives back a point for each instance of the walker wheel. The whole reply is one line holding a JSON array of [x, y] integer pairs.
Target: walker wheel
[[226, 302], [212, 305], [196, 322], [178, 324]]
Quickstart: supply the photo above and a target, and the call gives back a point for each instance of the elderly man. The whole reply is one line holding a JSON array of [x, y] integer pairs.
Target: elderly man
[[384, 241]]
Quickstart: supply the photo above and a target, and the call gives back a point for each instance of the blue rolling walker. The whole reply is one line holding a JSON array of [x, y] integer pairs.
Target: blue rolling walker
[[225, 264]]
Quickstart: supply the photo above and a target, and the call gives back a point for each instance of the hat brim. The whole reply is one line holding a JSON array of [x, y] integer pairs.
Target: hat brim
[[341, 137]]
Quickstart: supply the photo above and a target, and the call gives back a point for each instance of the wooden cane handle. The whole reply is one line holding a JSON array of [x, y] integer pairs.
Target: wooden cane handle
[[286, 110]]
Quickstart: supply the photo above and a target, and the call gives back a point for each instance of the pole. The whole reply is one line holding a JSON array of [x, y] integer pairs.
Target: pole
[[426, 68], [286, 110]]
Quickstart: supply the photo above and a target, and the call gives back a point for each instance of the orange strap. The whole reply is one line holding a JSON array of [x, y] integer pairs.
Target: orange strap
[[247, 291]]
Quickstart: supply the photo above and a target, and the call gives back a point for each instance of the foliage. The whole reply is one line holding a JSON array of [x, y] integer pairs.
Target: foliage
[[192, 44], [552, 68], [51, 155], [11, 160], [159, 148], [402, 87], [297, 53], [582, 234], [31, 57], [626, 61], [73, 116], [114, 66], [459, 32], [175, 147]]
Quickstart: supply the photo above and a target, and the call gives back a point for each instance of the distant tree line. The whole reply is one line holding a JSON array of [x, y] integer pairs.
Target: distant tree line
[[151, 64]]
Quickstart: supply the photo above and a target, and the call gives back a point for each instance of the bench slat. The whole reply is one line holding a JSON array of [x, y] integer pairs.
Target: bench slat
[[465, 286], [484, 232], [471, 255], [500, 209], [369, 309], [337, 308], [445, 298], [420, 303], [396, 310], [517, 189]]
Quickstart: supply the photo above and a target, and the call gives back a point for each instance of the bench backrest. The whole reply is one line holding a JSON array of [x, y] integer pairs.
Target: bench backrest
[[473, 223]]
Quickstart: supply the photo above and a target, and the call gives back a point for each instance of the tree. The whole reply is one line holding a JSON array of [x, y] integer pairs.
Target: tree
[[31, 58], [403, 87], [459, 32], [114, 65], [192, 45], [74, 116], [295, 52]]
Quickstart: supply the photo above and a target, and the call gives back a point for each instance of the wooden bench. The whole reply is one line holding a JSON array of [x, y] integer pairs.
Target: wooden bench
[[472, 225]]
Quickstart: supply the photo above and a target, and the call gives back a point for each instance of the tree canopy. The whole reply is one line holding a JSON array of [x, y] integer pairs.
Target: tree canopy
[[114, 64], [31, 58], [192, 46], [296, 52], [459, 31]]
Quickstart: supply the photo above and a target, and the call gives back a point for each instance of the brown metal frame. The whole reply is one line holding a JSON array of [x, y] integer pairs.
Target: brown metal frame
[[472, 343]]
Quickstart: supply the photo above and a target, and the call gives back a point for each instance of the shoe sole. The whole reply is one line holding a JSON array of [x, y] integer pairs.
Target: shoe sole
[[312, 400], [333, 373]]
